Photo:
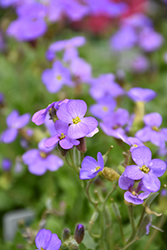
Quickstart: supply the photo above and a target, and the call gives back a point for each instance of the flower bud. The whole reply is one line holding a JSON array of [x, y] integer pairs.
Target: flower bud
[[79, 233], [6, 164], [82, 146], [66, 234], [110, 174]]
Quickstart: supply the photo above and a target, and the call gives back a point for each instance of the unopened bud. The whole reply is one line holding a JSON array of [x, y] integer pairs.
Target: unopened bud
[[66, 234], [79, 233], [82, 146], [110, 174]]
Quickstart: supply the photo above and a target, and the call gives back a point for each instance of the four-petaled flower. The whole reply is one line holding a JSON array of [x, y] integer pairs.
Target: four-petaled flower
[[14, 123], [73, 113], [147, 169], [61, 137], [135, 195], [40, 160], [90, 167]]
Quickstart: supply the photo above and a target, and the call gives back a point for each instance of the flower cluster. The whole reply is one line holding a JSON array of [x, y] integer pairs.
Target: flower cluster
[[145, 174], [32, 15], [69, 122]]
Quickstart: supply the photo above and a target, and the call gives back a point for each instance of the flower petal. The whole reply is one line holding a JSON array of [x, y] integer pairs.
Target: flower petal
[[158, 167], [12, 117], [133, 172], [54, 162], [153, 119], [77, 108], [22, 121], [63, 114], [54, 243], [78, 130], [39, 117], [125, 183], [90, 122], [142, 156], [51, 141], [129, 197], [38, 168], [151, 182], [65, 143], [100, 160], [144, 134], [43, 238], [61, 127], [9, 135], [30, 156]]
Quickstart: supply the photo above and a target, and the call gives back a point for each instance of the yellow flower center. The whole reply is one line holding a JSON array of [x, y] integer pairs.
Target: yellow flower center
[[76, 120], [43, 154], [135, 145], [62, 136], [59, 77], [155, 128], [97, 168], [42, 248], [145, 169], [134, 193], [105, 108]]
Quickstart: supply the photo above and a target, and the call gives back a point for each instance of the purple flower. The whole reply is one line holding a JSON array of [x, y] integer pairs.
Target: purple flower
[[142, 95], [79, 233], [106, 7], [132, 141], [39, 161], [73, 113], [26, 30], [134, 195], [152, 132], [61, 137], [125, 38], [147, 169], [39, 117], [7, 3], [105, 86], [46, 240], [112, 124], [14, 123], [90, 167], [104, 107], [69, 46], [140, 64], [138, 20], [72, 9], [6, 164], [81, 69], [149, 40], [56, 77], [30, 23]]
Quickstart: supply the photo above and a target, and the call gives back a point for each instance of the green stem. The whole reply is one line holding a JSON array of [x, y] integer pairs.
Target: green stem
[[94, 203], [131, 217], [102, 226], [73, 163], [141, 218], [108, 195], [129, 244]]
